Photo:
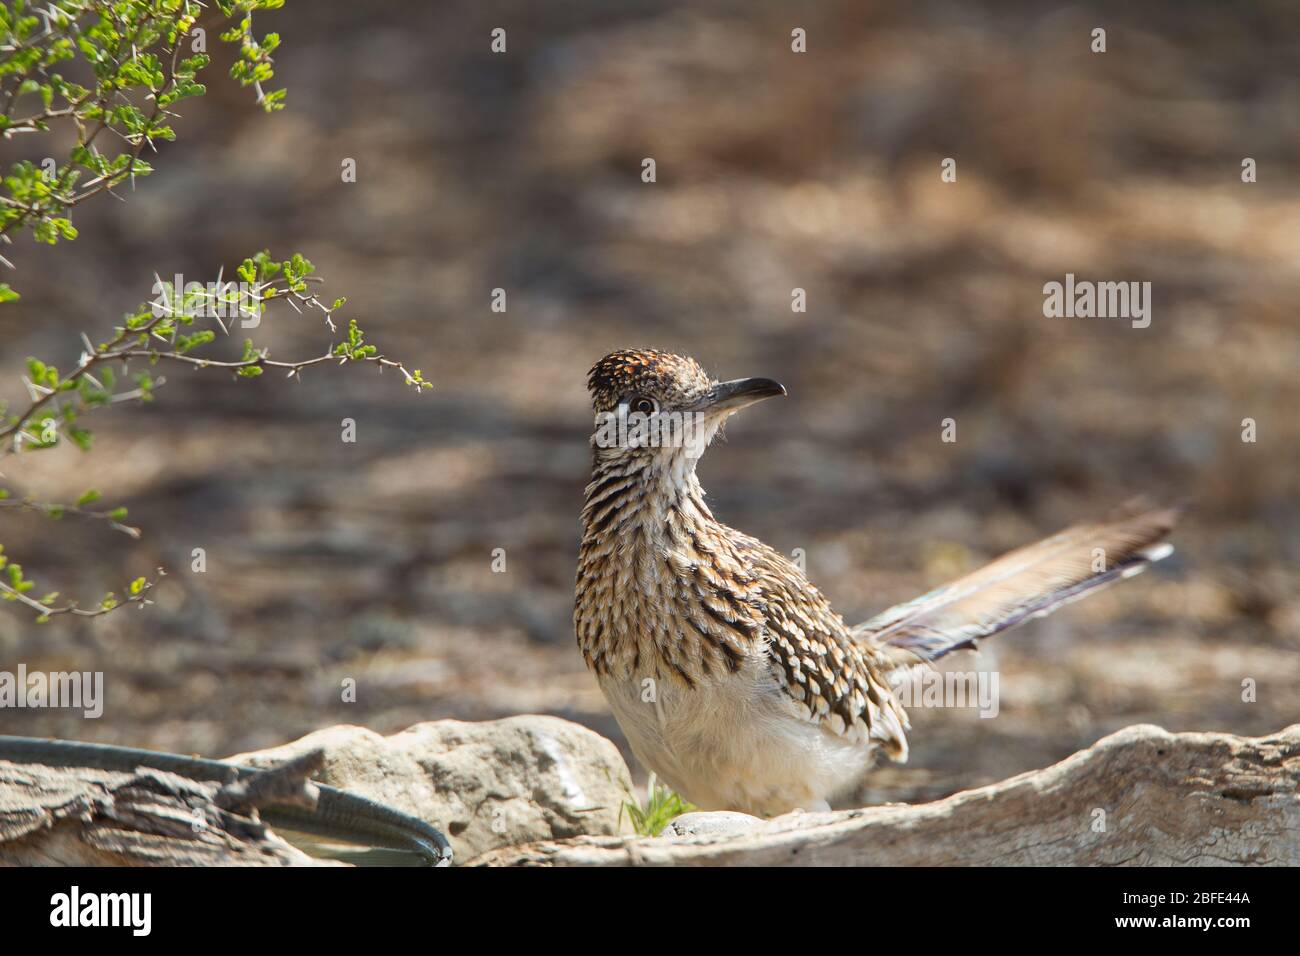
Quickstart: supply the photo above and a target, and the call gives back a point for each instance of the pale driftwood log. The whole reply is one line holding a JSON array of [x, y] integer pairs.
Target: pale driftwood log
[[76, 816], [1164, 799]]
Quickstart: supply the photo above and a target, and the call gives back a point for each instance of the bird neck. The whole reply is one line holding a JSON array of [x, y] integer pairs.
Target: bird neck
[[642, 526], [642, 493]]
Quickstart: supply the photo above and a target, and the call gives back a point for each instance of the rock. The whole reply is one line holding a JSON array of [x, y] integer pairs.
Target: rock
[[715, 823], [484, 785], [83, 816], [1140, 797]]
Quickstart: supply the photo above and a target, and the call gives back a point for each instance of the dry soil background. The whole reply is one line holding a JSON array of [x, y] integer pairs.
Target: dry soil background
[[371, 560]]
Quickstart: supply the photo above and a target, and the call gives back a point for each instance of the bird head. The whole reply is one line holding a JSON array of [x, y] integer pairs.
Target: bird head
[[656, 406]]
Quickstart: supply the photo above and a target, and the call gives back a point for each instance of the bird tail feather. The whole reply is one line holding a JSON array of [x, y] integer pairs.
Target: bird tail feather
[[1026, 583]]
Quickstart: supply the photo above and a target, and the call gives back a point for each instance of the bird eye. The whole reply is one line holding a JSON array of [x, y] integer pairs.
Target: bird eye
[[646, 406]]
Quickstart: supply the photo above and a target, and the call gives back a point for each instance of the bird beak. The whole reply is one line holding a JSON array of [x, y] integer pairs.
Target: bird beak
[[736, 394]]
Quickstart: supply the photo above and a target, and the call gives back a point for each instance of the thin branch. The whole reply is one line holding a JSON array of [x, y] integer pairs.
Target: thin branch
[[261, 361], [53, 510], [47, 611], [126, 345]]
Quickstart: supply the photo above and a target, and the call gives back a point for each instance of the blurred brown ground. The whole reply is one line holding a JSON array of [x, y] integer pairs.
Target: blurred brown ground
[[328, 560]]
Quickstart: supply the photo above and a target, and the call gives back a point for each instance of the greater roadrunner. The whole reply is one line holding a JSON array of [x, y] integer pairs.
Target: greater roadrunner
[[730, 674]]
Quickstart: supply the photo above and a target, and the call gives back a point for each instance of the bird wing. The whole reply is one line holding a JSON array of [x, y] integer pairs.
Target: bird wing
[[1029, 582], [832, 679]]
